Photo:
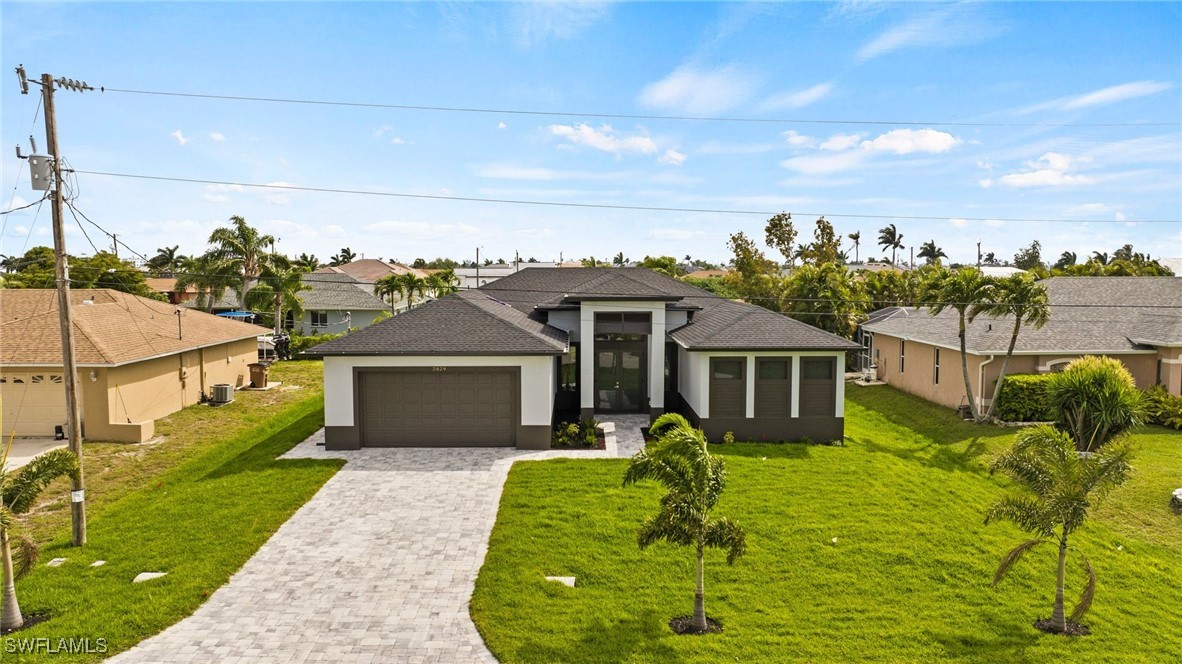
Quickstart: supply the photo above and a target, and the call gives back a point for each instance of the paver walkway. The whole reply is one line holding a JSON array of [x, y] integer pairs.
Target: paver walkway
[[378, 566]]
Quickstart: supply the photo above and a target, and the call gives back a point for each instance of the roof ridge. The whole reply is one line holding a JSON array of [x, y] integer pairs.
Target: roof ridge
[[504, 320]]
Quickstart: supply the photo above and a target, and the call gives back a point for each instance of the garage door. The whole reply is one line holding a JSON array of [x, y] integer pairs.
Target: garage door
[[34, 402], [446, 407]]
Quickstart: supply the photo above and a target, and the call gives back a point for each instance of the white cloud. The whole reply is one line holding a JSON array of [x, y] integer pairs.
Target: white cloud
[[1101, 97], [796, 99], [225, 188], [959, 223], [994, 223], [535, 22], [501, 125], [421, 230], [382, 131], [16, 202], [215, 198], [500, 171], [691, 90], [1049, 170], [822, 164], [605, 139], [398, 141], [672, 157], [796, 139], [842, 141], [674, 234], [19, 231], [332, 230], [809, 182], [534, 233], [276, 196], [179, 137], [957, 25], [217, 136], [906, 141]]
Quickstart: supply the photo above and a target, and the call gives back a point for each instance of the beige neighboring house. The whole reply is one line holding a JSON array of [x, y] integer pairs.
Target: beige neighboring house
[[1137, 320], [369, 270], [138, 360], [707, 274]]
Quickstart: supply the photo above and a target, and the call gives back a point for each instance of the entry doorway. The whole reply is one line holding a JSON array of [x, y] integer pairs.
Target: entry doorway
[[620, 377]]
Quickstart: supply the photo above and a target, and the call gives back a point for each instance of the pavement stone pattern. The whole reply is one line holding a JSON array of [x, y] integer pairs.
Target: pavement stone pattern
[[379, 566]]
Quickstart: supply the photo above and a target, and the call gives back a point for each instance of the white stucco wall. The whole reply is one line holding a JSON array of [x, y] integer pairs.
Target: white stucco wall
[[336, 322], [566, 320], [675, 319], [656, 348], [537, 381], [694, 377]]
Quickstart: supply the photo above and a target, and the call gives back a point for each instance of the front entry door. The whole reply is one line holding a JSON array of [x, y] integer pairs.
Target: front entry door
[[620, 378]]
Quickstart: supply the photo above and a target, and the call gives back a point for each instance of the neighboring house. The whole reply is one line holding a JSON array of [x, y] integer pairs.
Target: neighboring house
[[1135, 319], [707, 274], [369, 270], [1000, 270], [1174, 265], [873, 267], [167, 286], [498, 366], [475, 277], [336, 302], [138, 360], [227, 301]]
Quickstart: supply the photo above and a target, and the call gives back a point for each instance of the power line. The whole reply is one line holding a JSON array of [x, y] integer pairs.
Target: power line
[[26, 206], [605, 206], [628, 116]]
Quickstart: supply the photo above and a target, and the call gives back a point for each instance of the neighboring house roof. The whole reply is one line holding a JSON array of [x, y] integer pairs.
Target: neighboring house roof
[[165, 285], [1175, 265], [369, 270], [339, 292], [227, 299], [704, 274], [1000, 270], [466, 323], [872, 267], [1088, 315], [118, 328]]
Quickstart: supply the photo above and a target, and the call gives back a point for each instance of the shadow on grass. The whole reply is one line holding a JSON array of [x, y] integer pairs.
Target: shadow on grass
[[936, 423], [264, 452], [935, 455], [603, 642], [997, 639], [769, 450]]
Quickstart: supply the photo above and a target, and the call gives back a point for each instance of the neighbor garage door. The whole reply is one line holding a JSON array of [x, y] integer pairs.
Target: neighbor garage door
[[443, 407], [34, 402]]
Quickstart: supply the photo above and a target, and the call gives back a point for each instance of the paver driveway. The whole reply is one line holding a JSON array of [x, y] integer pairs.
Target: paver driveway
[[378, 567]]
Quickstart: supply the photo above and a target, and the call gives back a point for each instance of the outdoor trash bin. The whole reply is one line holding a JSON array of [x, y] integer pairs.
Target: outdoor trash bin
[[258, 374]]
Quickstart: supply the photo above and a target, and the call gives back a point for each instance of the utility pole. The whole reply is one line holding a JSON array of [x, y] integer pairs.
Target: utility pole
[[978, 255], [911, 265], [478, 267], [64, 307], [115, 244]]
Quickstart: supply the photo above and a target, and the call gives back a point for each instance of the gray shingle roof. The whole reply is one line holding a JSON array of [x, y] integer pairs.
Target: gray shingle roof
[[339, 292], [1111, 315], [467, 323], [728, 325]]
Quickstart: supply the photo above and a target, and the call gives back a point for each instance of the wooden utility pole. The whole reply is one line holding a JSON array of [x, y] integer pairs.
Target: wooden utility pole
[[62, 273]]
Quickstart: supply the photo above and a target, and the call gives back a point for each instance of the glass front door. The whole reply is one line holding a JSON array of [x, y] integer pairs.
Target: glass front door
[[619, 378]]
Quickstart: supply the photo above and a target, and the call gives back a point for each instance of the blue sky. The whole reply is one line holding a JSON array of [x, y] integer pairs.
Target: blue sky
[[1052, 67]]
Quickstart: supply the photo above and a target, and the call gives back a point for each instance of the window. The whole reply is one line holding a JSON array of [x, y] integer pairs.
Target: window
[[37, 379], [670, 367], [937, 372], [728, 387], [816, 369], [818, 387], [568, 372], [56, 380], [622, 324], [729, 369], [773, 387], [319, 319], [902, 354]]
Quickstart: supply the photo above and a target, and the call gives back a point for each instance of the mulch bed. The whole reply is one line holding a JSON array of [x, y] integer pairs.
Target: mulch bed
[[600, 444], [1073, 628], [30, 620], [684, 625]]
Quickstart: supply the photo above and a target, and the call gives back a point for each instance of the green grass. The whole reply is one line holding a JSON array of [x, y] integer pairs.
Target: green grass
[[908, 579], [197, 505]]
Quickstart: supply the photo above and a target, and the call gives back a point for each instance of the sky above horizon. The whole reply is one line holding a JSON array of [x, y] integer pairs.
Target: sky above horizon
[[972, 116]]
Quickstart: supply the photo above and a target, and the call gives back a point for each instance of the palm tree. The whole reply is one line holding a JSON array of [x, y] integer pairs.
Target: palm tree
[[619, 260], [307, 262], [1059, 486], [1100, 257], [241, 246], [693, 479], [1067, 258], [890, 238], [1095, 400], [387, 288], [856, 236], [1020, 296], [166, 262], [825, 296], [962, 290], [931, 253], [279, 287], [406, 286], [207, 275], [990, 258], [344, 256], [18, 493], [444, 282]]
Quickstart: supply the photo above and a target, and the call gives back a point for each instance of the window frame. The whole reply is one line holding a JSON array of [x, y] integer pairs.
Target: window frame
[[902, 355], [323, 315], [936, 368]]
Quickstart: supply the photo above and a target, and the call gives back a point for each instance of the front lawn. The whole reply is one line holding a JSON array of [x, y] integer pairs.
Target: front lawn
[[196, 504], [908, 578]]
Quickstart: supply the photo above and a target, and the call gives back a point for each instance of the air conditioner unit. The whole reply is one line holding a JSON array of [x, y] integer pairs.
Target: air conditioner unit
[[223, 393]]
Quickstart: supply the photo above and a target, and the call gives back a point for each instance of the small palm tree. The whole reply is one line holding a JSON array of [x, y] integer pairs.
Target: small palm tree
[[307, 262], [279, 287], [1095, 400], [856, 236], [693, 479], [1059, 486], [166, 262], [343, 257], [962, 290], [18, 493], [890, 238], [388, 288], [931, 253], [444, 282], [1100, 257], [1020, 296], [619, 260]]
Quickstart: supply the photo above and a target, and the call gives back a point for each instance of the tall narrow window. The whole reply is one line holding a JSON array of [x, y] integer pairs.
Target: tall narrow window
[[937, 373], [902, 354]]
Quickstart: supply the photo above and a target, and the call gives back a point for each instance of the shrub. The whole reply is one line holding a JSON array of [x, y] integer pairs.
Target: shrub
[[1024, 398], [1095, 400], [587, 430], [728, 438], [301, 343], [1163, 408]]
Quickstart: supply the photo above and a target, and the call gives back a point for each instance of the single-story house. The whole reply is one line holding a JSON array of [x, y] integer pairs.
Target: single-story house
[[335, 302], [1135, 319], [369, 270], [499, 365], [138, 360]]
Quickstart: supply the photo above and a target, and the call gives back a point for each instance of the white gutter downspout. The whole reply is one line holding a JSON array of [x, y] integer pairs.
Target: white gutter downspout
[[981, 383]]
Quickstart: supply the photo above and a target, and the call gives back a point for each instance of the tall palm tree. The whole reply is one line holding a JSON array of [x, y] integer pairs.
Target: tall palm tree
[[1058, 486], [1020, 296], [1066, 259], [444, 282], [279, 287], [18, 493], [406, 286], [1095, 400], [890, 238], [343, 257], [307, 262], [242, 246], [209, 276], [693, 479], [1100, 257], [962, 290], [619, 260], [930, 253], [856, 236], [387, 288], [166, 262]]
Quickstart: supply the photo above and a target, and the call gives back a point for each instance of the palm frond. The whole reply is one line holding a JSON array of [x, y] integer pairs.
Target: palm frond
[[725, 534], [1012, 558], [675, 420], [1027, 513], [1089, 592], [666, 526], [25, 553], [23, 486]]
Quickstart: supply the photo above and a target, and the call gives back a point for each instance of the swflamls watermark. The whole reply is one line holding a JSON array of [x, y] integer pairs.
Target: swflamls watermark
[[47, 646]]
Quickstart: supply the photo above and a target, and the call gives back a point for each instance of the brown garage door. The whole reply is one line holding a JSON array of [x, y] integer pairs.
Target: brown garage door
[[452, 407]]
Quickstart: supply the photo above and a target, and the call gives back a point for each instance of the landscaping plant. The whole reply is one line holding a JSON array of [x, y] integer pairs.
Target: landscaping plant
[[1059, 487], [1095, 400], [693, 479], [1163, 408], [18, 492]]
